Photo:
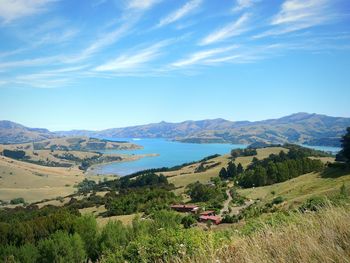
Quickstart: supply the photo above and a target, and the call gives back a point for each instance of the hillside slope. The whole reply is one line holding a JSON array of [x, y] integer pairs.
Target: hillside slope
[[11, 132]]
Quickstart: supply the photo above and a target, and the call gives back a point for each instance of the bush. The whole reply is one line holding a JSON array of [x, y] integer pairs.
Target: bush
[[277, 200], [188, 221], [14, 154], [61, 247], [17, 201], [313, 204]]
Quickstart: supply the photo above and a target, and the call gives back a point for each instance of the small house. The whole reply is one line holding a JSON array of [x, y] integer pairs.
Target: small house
[[208, 213], [186, 208], [214, 219]]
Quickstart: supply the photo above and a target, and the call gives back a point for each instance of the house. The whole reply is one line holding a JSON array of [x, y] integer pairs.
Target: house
[[185, 208], [208, 213], [214, 219]]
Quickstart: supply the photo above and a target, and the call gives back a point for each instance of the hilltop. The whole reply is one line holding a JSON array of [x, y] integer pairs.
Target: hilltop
[[312, 129], [11, 132]]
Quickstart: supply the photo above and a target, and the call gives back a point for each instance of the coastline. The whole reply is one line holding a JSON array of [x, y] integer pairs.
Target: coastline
[[125, 158]]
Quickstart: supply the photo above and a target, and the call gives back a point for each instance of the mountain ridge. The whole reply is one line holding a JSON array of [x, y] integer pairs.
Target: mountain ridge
[[301, 127]]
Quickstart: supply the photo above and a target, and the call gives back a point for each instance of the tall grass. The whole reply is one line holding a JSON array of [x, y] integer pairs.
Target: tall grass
[[314, 237]]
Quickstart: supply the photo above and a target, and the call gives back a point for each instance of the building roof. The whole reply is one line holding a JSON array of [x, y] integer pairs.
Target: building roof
[[213, 218], [185, 206], [207, 212]]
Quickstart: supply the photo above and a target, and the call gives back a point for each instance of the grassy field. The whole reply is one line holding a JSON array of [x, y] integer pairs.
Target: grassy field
[[298, 189]]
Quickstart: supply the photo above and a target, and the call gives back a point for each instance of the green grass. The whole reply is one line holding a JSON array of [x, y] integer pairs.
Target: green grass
[[298, 189]]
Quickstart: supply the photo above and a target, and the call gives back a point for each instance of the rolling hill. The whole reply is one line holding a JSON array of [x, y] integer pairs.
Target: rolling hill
[[11, 132]]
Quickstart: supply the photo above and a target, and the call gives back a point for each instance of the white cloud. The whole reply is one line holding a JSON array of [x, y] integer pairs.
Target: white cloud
[[233, 29], [201, 56], [296, 15], [142, 4], [15, 9], [244, 4], [180, 13], [128, 61]]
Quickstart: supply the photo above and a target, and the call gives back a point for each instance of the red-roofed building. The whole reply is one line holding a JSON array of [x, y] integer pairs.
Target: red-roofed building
[[208, 213], [186, 208], [215, 219]]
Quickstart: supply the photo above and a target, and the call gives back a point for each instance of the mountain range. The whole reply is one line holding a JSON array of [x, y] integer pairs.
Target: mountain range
[[312, 129]]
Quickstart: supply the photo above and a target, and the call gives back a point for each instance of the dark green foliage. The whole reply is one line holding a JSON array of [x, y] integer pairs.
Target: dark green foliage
[[149, 179], [86, 227], [240, 168], [243, 152], [278, 168], [344, 154], [188, 220], [229, 219], [231, 170], [277, 200], [313, 204], [223, 173], [61, 247], [140, 200], [86, 186], [16, 154], [17, 201], [203, 193]]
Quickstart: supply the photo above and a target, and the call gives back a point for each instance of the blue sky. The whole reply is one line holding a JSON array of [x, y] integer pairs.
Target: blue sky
[[101, 63]]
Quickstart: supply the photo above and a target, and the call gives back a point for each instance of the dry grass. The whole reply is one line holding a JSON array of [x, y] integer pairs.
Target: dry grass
[[307, 238]]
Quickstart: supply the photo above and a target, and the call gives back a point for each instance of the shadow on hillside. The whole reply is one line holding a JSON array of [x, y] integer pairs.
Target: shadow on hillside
[[336, 170]]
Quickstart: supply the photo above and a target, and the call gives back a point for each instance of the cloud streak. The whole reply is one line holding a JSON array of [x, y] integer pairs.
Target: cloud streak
[[11, 10], [296, 15], [201, 57], [235, 28], [185, 10], [132, 62]]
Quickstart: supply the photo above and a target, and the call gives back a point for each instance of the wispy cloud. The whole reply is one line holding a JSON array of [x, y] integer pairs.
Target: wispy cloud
[[142, 4], [11, 10], [233, 29], [133, 61], [180, 13], [296, 15], [103, 41], [201, 56], [244, 4]]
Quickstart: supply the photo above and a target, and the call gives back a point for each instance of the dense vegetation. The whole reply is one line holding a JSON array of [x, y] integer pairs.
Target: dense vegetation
[[344, 154], [278, 168], [16, 154]]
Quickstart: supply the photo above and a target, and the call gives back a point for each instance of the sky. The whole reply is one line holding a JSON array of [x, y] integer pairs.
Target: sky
[[97, 64]]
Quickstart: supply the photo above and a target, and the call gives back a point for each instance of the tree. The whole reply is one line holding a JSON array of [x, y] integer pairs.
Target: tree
[[223, 173], [86, 227], [231, 170], [240, 168], [345, 143], [61, 247], [188, 221]]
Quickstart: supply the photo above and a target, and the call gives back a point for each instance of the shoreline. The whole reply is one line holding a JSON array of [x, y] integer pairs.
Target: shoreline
[[125, 158]]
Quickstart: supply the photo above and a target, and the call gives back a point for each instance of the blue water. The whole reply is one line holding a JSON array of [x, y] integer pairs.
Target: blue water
[[170, 154]]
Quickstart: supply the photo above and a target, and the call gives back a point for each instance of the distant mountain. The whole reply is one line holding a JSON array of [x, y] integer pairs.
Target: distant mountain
[[313, 129], [11, 132]]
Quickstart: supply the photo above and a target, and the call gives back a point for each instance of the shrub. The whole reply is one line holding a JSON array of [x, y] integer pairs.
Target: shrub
[[17, 201]]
